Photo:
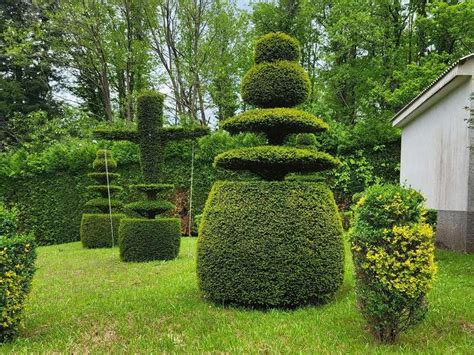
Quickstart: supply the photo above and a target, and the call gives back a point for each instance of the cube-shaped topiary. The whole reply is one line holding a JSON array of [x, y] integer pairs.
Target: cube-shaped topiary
[[151, 237], [100, 230], [272, 243]]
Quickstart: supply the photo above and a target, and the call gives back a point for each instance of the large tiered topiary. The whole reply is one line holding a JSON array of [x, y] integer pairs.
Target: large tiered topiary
[[272, 243], [100, 230], [151, 237]]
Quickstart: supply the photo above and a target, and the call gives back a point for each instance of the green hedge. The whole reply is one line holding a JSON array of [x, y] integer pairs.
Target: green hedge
[[279, 84], [17, 267], [96, 231], [270, 244], [50, 205], [393, 252], [149, 239], [277, 46]]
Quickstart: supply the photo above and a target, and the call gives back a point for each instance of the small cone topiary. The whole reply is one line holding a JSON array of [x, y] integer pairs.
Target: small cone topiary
[[96, 227], [151, 237], [272, 243]]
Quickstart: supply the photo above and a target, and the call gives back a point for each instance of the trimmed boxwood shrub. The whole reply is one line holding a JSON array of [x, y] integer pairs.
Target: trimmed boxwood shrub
[[393, 252], [279, 84], [17, 267], [275, 123], [270, 244], [96, 230], [149, 239], [277, 46]]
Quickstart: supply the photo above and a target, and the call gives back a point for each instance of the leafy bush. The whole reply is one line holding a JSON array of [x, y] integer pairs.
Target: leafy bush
[[279, 84], [277, 46], [432, 218], [96, 230], [8, 221], [149, 239], [17, 258], [274, 162], [270, 244], [275, 123], [393, 253], [346, 219]]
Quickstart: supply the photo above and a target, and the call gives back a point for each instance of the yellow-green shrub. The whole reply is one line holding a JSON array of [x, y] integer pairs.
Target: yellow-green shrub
[[393, 254], [17, 259]]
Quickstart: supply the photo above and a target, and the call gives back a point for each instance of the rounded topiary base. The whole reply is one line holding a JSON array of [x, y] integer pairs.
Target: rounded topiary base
[[149, 239], [270, 244], [96, 232]]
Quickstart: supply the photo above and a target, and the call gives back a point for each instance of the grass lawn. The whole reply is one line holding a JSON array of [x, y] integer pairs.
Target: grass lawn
[[87, 300]]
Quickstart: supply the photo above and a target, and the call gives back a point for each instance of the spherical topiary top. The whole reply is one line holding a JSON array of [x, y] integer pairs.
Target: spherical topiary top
[[278, 84], [277, 46]]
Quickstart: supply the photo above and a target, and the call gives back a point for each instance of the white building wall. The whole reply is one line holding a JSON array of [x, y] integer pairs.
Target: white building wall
[[435, 151]]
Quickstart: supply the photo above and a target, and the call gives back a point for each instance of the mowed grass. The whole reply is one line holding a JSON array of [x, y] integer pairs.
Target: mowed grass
[[89, 301]]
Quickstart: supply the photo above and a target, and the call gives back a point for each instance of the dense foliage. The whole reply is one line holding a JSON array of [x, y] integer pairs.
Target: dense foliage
[[17, 266], [258, 247], [274, 47], [275, 162], [393, 252], [276, 84], [149, 239], [275, 123], [96, 230]]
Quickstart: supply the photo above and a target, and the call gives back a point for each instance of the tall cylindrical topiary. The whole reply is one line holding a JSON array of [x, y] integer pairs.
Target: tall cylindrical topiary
[[270, 242], [100, 230], [151, 237]]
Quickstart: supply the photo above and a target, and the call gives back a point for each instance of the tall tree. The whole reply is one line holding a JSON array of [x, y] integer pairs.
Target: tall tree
[[104, 44], [26, 64]]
